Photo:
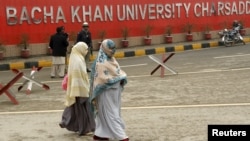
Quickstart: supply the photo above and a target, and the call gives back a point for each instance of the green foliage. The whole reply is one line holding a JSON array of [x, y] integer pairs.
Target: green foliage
[[24, 41], [102, 34], [148, 30], [125, 32], [188, 27], [207, 28], [168, 30], [2, 48]]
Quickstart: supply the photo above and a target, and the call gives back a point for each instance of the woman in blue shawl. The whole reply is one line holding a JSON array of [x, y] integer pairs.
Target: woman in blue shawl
[[107, 82]]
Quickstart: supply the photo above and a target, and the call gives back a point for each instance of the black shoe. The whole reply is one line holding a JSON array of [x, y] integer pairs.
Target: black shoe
[[61, 125], [81, 134], [52, 76], [88, 70], [96, 138]]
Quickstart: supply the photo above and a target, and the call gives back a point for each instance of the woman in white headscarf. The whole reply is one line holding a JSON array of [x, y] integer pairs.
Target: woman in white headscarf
[[107, 82], [77, 116]]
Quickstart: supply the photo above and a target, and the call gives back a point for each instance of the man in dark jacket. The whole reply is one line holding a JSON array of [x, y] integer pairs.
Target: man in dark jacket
[[58, 43], [85, 36]]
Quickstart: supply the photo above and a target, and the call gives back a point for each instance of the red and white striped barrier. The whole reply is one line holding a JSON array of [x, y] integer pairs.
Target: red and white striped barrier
[[30, 80], [161, 64], [6, 89]]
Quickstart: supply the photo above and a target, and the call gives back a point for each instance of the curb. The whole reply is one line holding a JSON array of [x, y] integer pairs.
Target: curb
[[122, 54], [159, 50]]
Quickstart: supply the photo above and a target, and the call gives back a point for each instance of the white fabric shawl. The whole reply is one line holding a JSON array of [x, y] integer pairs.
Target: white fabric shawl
[[78, 82], [105, 70]]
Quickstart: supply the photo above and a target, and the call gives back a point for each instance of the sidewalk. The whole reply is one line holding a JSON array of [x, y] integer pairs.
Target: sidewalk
[[45, 61]]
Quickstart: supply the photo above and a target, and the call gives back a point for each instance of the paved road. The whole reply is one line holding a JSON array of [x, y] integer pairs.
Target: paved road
[[212, 87]]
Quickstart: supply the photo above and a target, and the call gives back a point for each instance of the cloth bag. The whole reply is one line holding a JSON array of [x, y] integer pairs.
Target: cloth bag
[[65, 82]]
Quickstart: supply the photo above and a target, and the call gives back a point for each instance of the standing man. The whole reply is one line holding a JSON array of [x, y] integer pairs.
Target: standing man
[[235, 24], [58, 43], [85, 36]]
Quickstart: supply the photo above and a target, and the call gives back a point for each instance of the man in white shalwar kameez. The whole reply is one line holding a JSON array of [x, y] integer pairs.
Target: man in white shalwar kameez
[[58, 43]]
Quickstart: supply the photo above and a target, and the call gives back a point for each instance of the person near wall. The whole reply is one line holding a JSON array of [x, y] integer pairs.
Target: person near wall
[[235, 29], [58, 43], [106, 85], [77, 116], [235, 24], [85, 36]]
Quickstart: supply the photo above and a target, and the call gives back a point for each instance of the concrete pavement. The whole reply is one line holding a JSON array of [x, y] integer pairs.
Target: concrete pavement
[[212, 87], [45, 61]]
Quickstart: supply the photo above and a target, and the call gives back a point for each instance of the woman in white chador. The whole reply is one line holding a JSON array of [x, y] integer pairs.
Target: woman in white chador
[[77, 116]]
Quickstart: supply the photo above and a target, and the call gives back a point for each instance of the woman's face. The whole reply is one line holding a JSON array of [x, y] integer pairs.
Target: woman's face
[[85, 52], [86, 28], [109, 48], [113, 49], [110, 51]]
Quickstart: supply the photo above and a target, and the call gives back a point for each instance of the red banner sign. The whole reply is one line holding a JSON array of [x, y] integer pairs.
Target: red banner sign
[[39, 19]]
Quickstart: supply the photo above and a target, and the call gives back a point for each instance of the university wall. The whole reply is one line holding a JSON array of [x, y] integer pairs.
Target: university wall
[[39, 19]]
